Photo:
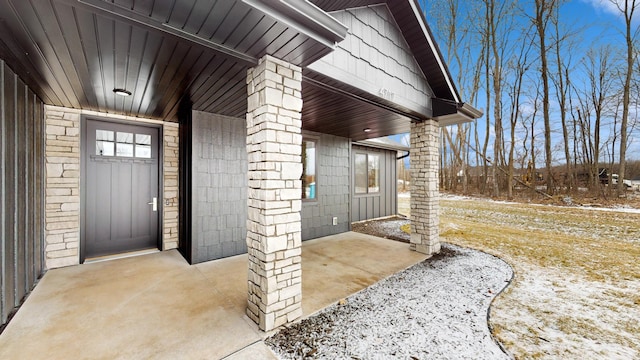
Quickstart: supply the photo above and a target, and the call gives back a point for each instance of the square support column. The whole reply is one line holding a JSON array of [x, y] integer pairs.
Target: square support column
[[424, 187], [274, 146]]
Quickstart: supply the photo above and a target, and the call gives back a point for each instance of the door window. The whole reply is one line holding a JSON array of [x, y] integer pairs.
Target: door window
[[104, 143], [123, 144]]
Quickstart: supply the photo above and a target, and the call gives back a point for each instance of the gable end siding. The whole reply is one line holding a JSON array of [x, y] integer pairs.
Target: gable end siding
[[376, 58]]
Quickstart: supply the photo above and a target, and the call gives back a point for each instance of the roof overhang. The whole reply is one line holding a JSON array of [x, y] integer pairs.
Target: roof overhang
[[435, 50], [305, 17]]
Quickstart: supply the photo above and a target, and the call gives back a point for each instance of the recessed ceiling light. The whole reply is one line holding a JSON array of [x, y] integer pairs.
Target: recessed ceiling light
[[367, 130], [122, 92]]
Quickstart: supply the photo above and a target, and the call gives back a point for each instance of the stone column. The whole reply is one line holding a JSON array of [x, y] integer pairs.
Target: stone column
[[171, 187], [424, 187], [274, 145], [62, 201]]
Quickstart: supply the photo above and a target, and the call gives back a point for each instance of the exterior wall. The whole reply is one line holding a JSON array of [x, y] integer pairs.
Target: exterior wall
[[425, 206], [62, 172], [375, 57], [21, 190], [383, 203], [332, 169], [219, 186]]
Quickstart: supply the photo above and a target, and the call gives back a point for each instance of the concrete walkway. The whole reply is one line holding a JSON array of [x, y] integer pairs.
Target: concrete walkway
[[158, 306]]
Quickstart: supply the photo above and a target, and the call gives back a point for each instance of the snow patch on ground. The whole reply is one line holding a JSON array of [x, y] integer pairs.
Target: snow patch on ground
[[567, 316], [617, 208], [436, 309]]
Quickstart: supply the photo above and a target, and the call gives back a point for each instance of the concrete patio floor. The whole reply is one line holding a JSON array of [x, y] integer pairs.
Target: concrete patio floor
[[158, 306]]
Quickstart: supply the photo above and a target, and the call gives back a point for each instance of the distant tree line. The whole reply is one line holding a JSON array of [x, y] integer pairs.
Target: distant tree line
[[557, 112]]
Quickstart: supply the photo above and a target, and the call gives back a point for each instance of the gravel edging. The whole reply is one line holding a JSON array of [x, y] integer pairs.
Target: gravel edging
[[438, 308]]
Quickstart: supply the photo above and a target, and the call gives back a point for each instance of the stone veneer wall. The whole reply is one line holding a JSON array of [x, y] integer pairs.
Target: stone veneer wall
[[62, 186], [274, 145], [170, 182], [424, 186]]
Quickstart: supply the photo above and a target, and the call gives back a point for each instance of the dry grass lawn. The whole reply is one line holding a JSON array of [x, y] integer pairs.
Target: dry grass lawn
[[576, 292]]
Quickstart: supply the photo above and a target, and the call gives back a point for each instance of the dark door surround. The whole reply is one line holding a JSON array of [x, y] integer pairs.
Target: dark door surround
[[157, 153]]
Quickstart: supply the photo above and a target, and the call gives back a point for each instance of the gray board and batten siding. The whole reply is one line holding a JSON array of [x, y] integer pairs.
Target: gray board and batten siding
[[21, 191], [332, 188], [384, 202]]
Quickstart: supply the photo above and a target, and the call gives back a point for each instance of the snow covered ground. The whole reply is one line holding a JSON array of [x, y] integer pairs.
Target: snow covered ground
[[576, 291], [436, 309]]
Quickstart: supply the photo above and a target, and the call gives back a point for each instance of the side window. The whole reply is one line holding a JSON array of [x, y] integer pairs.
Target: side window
[[309, 169], [361, 174], [374, 173], [367, 173]]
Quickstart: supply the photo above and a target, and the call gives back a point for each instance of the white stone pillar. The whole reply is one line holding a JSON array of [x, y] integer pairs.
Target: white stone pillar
[[274, 145], [424, 187]]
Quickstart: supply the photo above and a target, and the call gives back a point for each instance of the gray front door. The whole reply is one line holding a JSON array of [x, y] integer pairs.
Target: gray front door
[[122, 202]]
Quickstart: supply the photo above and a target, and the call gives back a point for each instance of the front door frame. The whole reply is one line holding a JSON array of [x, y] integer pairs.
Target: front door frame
[[83, 167]]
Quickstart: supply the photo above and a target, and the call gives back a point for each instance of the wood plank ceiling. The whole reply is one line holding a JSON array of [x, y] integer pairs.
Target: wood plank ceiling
[[74, 53]]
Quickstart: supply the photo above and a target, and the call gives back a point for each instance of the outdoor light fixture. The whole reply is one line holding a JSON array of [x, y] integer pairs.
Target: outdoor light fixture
[[122, 92], [367, 130]]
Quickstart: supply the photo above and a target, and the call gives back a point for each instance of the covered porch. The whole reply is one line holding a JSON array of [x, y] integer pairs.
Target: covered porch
[[158, 306]]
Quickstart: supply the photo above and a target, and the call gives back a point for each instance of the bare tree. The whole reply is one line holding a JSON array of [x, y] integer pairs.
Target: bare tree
[[454, 25], [562, 82], [544, 10], [600, 78], [519, 65], [627, 8]]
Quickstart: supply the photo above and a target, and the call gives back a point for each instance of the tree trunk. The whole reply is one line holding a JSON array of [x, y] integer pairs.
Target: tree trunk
[[542, 10]]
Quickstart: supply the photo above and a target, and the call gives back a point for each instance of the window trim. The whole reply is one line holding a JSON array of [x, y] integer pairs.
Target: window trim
[[315, 140]]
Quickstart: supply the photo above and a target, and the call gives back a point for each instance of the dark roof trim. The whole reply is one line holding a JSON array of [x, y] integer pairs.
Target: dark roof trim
[[373, 143], [304, 17], [435, 49], [448, 112]]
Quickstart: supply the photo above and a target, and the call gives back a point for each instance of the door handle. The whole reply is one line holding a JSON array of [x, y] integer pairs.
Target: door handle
[[154, 203]]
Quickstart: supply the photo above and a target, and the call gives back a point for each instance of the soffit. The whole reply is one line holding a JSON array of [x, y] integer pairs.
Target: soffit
[[334, 108], [74, 53]]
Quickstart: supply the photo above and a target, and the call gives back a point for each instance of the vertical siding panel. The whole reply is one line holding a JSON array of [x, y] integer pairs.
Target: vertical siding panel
[[391, 190], [21, 190], [38, 187], [384, 184], [21, 204], [30, 205], [10, 191], [394, 183], [373, 201], [3, 151]]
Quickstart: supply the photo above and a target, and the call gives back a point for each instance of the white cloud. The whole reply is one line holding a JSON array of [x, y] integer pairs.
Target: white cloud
[[608, 6]]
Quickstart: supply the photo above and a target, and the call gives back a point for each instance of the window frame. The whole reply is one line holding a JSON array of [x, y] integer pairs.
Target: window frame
[[367, 154], [316, 141]]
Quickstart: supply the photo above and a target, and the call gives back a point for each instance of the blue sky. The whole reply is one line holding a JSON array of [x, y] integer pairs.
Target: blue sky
[[595, 22]]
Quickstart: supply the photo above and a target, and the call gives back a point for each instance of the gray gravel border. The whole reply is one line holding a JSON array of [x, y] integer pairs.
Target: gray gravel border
[[436, 309]]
